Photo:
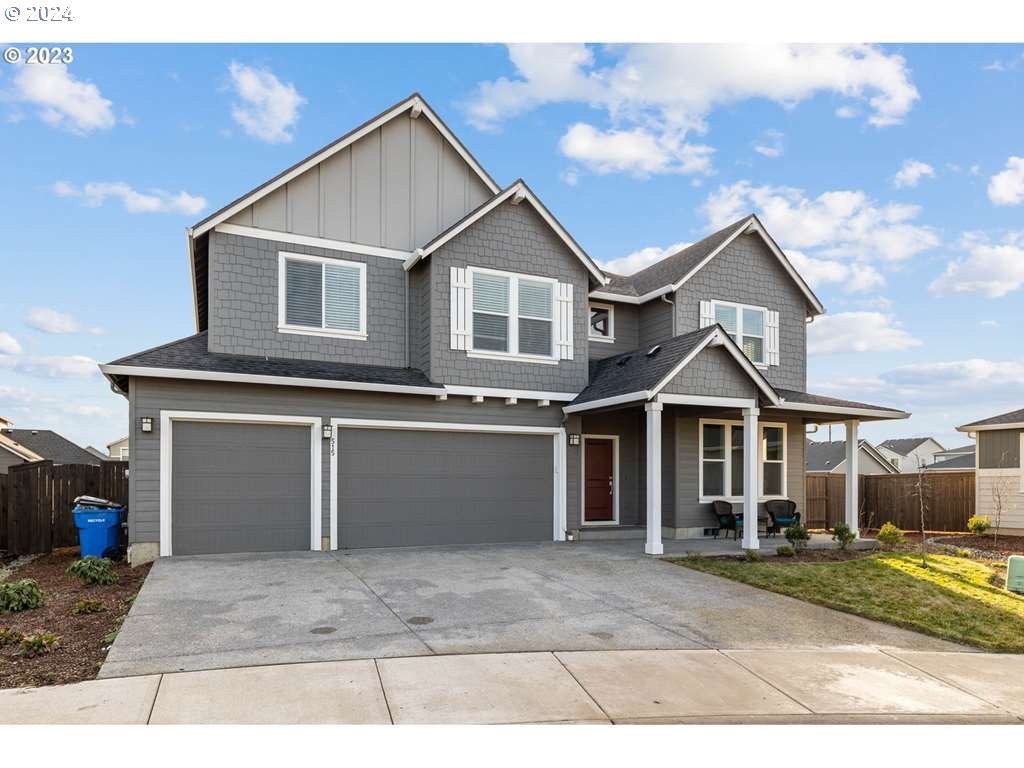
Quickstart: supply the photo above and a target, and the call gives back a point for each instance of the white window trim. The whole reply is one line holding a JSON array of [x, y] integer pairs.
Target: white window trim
[[559, 459], [282, 293], [762, 364], [513, 353], [610, 338], [167, 420], [727, 478], [615, 480], [123, 452]]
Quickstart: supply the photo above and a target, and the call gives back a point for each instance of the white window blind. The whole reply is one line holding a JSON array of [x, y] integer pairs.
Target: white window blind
[[491, 303], [322, 295], [535, 311], [750, 327]]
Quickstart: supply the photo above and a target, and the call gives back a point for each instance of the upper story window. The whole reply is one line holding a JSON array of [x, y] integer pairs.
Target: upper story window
[[746, 325], [321, 296], [602, 322], [124, 454], [512, 314]]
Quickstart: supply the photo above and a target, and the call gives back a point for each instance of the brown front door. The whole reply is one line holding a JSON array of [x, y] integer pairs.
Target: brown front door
[[599, 482]]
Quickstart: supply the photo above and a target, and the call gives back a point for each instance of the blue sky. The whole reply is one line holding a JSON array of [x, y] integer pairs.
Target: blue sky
[[892, 175]]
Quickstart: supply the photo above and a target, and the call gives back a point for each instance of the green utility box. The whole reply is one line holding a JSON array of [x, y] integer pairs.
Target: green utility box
[[1015, 574]]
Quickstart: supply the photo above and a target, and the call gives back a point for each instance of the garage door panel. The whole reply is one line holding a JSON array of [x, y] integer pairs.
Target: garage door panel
[[239, 488], [404, 488]]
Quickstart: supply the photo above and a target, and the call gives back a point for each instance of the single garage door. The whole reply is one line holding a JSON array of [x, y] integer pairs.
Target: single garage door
[[239, 488], [401, 488]]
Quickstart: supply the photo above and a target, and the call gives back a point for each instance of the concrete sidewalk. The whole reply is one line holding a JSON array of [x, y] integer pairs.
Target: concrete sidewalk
[[667, 686]]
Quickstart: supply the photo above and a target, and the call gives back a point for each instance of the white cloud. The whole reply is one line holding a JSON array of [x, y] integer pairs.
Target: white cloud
[[853, 277], [953, 380], [52, 367], [842, 223], [988, 323], [637, 260], [911, 173], [95, 193], [8, 344], [267, 108], [637, 151], [52, 321], [62, 100], [1007, 186], [770, 144], [993, 270], [847, 112], [857, 332], [654, 95]]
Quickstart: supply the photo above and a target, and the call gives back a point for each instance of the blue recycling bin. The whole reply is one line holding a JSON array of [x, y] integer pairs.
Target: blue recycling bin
[[99, 530]]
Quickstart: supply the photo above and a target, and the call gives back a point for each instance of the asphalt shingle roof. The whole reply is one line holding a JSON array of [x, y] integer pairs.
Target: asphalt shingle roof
[[52, 446], [637, 371], [795, 396], [824, 457], [191, 354], [902, 445], [1013, 417], [963, 461]]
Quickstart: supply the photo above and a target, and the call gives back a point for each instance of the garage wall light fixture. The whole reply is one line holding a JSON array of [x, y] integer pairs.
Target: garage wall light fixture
[[146, 423], [326, 432], [574, 439]]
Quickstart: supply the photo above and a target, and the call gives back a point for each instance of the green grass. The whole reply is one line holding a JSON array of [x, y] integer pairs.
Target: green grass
[[953, 598]]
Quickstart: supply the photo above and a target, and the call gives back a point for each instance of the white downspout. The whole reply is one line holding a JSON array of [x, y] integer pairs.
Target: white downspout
[[671, 303]]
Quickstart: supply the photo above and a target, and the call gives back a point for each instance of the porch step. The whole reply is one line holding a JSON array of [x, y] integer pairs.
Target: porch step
[[612, 532]]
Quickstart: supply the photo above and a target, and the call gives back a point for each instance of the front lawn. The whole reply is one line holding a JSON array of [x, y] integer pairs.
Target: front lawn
[[953, 598]]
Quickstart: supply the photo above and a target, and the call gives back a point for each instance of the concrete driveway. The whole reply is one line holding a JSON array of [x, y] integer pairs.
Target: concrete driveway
[[244, 610]]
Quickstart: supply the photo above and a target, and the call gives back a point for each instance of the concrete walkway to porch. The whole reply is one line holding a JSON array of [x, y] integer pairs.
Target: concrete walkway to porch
[[656, 686]]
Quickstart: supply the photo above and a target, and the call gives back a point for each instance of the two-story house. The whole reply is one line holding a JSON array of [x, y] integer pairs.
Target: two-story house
[[910, 454], [393, 350]]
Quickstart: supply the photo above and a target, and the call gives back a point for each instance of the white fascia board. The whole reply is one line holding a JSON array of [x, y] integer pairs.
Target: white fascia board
[[990, 427], [514, 190], [523, 394], [316, 242], [319, 157], [608, 401], [605, 296], [190, 251], [839, 410], [18, 449], [707, 400], [247, 378], [869, 449], [442, 426]]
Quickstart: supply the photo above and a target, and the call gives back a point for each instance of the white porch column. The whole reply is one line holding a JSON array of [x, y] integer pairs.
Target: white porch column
[[853, 477], [653, 545], [751, 447]]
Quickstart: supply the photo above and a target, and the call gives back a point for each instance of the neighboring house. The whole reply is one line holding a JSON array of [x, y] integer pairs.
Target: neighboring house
[[908, 454], [830, 458], [97, 453], [954, 459], [20, 446], [118, 449], [393, 350], [999, 481]]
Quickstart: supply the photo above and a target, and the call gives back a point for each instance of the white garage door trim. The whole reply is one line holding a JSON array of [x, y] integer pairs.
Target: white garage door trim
[[167, 419], [558, 502]]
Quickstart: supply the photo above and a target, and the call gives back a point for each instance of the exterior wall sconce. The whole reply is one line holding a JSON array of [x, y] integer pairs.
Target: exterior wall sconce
[[326, 431], [574, 439], [146, 423]]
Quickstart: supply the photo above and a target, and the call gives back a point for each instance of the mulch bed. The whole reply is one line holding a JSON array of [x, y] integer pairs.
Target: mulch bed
[[1003, 545], [82, 645]]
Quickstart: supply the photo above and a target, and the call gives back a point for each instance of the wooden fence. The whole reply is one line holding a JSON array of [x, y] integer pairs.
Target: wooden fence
[[39, 498], [949, 500]]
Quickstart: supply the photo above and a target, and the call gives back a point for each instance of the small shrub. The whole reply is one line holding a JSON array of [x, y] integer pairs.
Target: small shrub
[[94, 570], [978, 524], [964, 553], [786, 550], [37, 644], [889, 536], [20, 595], [9, 636], [751, 555], [798, 536], [842, 533], [89, 605]]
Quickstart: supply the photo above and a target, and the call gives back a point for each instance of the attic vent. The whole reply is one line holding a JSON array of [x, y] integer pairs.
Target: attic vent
[[623, 360], [654, 350]]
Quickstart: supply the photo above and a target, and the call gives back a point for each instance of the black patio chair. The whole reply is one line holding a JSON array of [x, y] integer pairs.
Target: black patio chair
[[727, 520], [781, 514]]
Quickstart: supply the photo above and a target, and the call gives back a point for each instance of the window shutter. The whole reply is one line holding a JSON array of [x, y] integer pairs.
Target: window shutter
[[772, 339], [707, 314], [564, 326], [461, 305]]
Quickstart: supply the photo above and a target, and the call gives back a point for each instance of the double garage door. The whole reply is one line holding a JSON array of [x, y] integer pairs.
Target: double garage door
[[246, 487]]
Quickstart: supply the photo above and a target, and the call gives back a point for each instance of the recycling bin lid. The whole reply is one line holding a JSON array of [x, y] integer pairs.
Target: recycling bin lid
[[92, 501]]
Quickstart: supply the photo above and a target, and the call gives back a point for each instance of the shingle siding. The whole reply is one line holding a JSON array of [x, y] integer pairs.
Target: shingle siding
[[656, 323], [243, 305], [748, 273], [512, 238], [627, 332], [712, 372], [419, 316]]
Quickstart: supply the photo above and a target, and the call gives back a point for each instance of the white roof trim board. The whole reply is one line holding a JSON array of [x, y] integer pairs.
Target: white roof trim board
[[414, 102], [518, 190], [18, 449], [842, 410], [990, 427], [753, 226]]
